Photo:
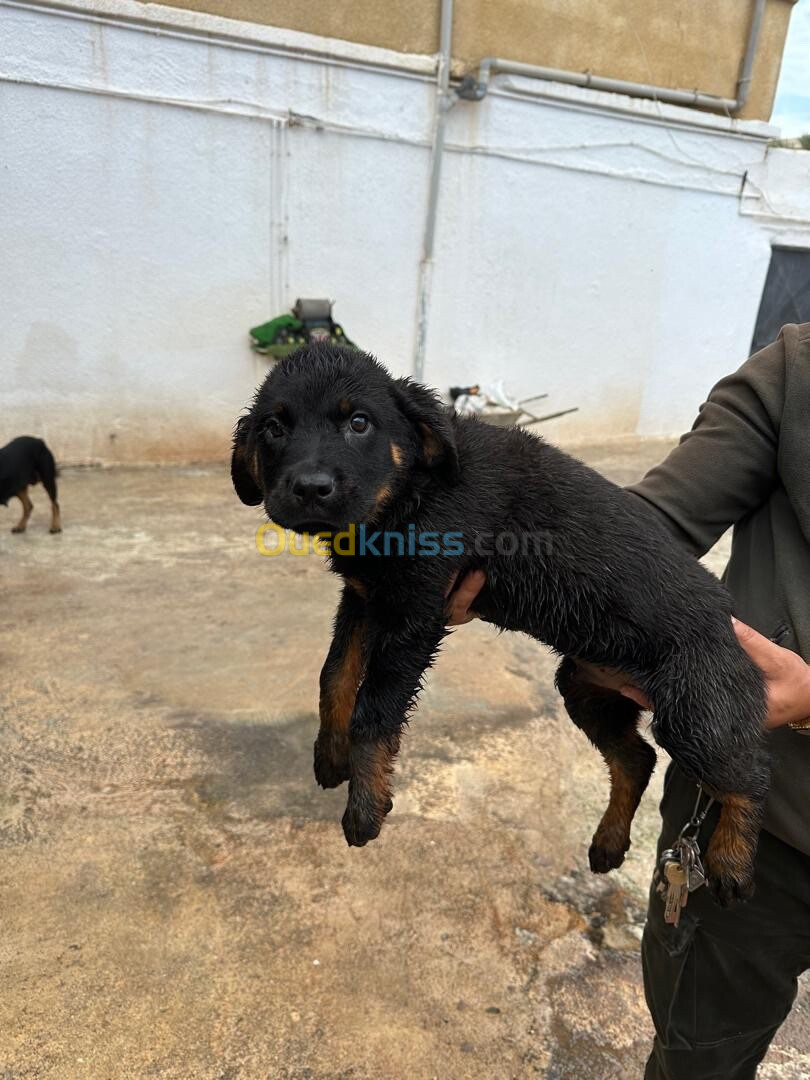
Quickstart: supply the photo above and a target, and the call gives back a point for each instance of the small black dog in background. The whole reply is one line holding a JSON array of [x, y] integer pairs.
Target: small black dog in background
[[24, 462], [332, 440]]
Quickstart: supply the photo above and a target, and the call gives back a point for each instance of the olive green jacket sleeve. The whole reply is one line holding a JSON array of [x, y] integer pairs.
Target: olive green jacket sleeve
[[726, 466], [746, 463]]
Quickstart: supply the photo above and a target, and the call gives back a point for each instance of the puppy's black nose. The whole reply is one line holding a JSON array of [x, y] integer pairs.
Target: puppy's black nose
[[311, 486]]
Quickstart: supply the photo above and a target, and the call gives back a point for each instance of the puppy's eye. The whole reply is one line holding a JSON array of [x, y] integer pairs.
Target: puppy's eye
[[273, 429], [359, 423]]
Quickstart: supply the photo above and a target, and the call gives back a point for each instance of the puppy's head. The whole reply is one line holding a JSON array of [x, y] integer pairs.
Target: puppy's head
[[332, 439]]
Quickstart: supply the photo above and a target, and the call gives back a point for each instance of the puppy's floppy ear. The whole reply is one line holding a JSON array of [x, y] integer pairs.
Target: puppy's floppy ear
[[244, 472], [433, 423]]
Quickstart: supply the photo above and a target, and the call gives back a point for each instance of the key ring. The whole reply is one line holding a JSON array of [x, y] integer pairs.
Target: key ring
[[697, 819]]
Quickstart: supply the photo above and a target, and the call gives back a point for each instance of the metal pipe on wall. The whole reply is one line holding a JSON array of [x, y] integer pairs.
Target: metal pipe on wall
[[744, 81], [445, 100], [475, 87]]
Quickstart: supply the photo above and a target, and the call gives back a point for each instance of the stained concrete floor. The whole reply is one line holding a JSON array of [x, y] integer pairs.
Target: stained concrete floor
[[177, 899]]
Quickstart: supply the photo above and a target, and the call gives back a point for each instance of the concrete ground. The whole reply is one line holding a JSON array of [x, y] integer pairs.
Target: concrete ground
[[177, 898]]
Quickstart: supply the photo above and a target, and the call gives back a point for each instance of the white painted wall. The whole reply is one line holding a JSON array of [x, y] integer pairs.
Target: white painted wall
[[161, 193]]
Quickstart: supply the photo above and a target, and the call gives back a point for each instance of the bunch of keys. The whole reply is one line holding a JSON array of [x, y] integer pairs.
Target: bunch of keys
[[680, 873], [680, 870]]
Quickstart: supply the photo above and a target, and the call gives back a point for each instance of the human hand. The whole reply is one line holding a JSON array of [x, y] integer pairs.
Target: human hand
[[613, 679], [787, 678], [458, 602]]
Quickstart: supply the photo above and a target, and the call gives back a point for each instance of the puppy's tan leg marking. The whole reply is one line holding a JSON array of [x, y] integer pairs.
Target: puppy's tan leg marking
[[339, 682], [374, 764], [609, 720], [732, 848], [613, 831], [369, 789], [27, 506], [340, 687], [630, 760]]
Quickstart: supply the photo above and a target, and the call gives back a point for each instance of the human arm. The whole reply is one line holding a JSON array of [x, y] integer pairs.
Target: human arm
[[727, 465]]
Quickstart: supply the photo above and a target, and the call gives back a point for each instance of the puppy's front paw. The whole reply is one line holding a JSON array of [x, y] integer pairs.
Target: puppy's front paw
[[18, 529], [608, 849], [363, 817], [602, 860], [331, 762]]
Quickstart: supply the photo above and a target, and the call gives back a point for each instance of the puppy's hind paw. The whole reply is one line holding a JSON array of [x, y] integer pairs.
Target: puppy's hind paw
[[728, 888]]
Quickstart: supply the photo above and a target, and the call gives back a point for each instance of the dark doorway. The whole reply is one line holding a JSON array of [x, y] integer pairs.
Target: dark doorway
[[786, 296]]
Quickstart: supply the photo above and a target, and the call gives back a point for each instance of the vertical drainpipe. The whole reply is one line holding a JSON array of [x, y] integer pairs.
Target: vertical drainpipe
[[444, 102], [744, 82]]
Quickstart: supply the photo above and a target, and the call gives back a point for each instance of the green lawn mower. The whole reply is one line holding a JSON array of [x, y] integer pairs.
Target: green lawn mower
[[311, 320]]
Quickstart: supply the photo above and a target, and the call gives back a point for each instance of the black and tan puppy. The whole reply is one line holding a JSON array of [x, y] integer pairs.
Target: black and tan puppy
[[24, 462], [333, 444]]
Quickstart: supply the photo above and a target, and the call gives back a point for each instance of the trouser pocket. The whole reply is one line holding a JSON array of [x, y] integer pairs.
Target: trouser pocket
[[669, 976], [720, 984]]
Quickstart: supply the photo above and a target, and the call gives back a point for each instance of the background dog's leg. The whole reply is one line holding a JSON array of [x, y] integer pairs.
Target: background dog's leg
[[400, 648], [610, 720], [340, 677], [46, 467], [56, 518], [27, 506]]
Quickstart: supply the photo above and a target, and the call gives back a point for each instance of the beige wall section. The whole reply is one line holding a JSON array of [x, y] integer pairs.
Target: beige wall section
[[686, 44]]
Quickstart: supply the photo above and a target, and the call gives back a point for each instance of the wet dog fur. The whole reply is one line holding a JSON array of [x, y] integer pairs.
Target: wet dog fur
[[26, 461], [332, 440]]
